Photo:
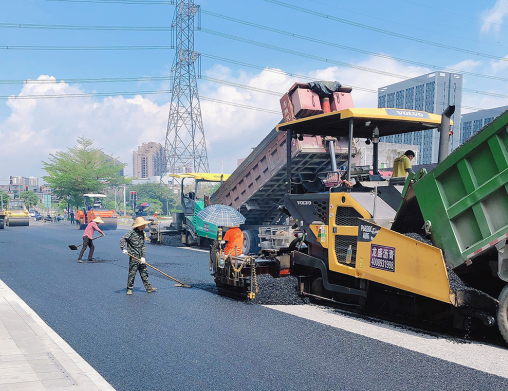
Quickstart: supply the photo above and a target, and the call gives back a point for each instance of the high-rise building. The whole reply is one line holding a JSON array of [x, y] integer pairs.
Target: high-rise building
[[471, 123], [24, 181], [148, 161], [432, 92]]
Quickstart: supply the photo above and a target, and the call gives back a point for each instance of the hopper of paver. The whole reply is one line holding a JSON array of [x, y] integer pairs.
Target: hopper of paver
[[464, 200], [462, 205]]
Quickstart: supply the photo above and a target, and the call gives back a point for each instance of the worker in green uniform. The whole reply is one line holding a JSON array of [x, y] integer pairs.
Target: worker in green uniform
[[133, 244], [402, 165]]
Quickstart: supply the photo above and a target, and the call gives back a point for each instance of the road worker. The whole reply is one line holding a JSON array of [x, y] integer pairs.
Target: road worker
[[133, 244]]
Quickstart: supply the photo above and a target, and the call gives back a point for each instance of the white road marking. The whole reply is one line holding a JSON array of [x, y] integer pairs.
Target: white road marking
[[485, 358], [195, 249]]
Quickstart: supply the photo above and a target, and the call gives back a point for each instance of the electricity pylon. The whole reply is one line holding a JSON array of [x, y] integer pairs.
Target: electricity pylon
[[185, 148]]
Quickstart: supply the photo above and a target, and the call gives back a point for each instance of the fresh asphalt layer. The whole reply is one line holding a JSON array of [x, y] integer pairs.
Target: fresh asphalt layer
[[178, 338]]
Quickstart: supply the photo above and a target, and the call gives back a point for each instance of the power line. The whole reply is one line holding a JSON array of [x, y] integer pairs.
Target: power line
[[349, 47], [130, 93], [413, 27], [304, 77], [115, 47], [382, 31], [301, 54], [327, 60], [82, 95], [81, 27], [156, 92], [128, 2], [168, 78], [453, 13], [241, 105], [95, 80], [152, 47]]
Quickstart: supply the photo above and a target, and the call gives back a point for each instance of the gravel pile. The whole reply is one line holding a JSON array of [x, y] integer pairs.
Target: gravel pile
[[456, 284], [278, 291], [418, 237]]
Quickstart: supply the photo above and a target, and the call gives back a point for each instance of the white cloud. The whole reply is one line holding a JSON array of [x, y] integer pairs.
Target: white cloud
[[36, 128], [466, 65], [500, 66], [494, 17]]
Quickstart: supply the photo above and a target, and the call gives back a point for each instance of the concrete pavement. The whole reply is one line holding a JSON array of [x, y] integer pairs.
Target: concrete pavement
[[34, 357]]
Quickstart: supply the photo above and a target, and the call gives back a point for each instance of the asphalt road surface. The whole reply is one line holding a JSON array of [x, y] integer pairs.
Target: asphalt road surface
[[194, 339]]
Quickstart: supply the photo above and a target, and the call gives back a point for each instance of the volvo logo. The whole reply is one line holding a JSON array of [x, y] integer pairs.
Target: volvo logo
[[304, 202]]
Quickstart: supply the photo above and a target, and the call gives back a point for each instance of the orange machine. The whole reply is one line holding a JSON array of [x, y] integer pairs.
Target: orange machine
[[110, 217]]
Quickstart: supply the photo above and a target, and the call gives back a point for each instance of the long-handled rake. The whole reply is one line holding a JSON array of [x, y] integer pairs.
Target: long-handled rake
[[74, 247], [180, 283]]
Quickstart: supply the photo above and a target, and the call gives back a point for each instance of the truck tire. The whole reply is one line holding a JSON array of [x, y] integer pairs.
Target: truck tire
[[1, 223], [250, 242], [502, 313]]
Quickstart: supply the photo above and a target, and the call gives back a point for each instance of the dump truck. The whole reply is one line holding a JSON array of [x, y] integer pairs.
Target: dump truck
[[16, 214], [257, 186], [191, 229], [431, 247], [87, 214]]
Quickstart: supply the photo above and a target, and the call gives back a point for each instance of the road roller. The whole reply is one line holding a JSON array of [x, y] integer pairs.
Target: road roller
[[87, 214], [16, 214]]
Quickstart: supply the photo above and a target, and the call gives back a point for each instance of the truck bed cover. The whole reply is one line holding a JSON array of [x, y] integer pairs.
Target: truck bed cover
[[256, 188]]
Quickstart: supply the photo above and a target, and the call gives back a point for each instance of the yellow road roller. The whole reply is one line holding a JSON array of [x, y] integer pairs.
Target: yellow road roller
[[16, 214]]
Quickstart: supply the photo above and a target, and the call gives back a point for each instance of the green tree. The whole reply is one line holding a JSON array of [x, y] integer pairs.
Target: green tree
[[4, 198], [80, 170], [30, 198]]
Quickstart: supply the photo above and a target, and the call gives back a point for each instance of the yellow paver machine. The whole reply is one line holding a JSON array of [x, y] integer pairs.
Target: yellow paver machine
[[430, 247]]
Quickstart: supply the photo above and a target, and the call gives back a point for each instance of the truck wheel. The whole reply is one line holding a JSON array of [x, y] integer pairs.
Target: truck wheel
[[250, 242], [317, 288], [502, 313], [1, 223]]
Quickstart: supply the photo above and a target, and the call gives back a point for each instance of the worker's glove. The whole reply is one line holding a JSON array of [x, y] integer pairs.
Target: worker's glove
[[125, 252], [142, 260]]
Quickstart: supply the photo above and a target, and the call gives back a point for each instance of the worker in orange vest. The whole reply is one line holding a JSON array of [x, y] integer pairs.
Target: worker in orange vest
[[234, 239]]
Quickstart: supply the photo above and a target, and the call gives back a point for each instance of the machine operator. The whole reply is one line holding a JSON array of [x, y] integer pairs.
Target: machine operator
[[402, 165]]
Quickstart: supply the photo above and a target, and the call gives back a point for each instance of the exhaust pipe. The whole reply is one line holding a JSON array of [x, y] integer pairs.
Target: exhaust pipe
[[444, 135]]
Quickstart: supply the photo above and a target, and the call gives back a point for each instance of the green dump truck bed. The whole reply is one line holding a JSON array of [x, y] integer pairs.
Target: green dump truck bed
[[465, 198]]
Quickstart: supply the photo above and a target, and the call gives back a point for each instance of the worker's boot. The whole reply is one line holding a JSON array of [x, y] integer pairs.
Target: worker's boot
[[80, 261], [129, 291], [152, 289]]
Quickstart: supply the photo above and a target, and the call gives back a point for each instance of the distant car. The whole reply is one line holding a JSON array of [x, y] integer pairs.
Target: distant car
[[32, 213]]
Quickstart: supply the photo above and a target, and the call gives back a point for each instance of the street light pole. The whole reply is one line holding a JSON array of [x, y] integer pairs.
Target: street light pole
[[124, 208]]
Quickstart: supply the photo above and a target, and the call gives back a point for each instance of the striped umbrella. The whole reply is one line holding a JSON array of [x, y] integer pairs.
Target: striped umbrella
[[221, 215]]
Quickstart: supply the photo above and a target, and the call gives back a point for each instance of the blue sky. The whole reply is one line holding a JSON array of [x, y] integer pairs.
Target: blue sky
[[120, 122]]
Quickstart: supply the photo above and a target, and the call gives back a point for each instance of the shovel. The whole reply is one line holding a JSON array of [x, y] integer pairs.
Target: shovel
[[180, 283], [73, 247]]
